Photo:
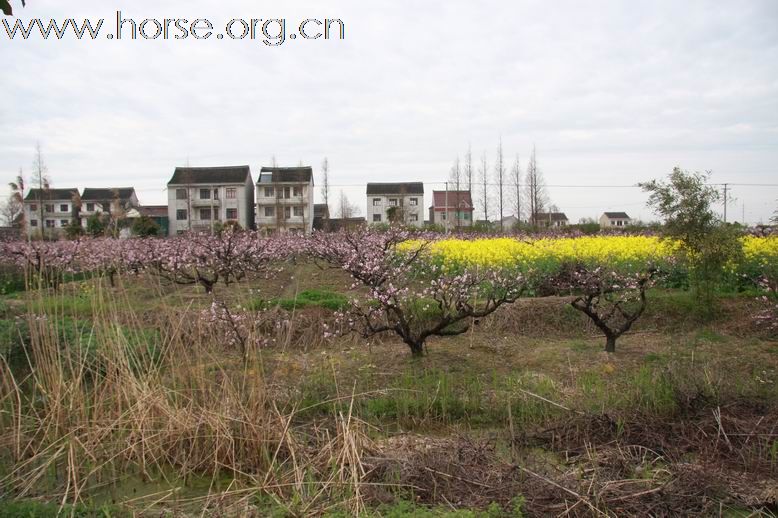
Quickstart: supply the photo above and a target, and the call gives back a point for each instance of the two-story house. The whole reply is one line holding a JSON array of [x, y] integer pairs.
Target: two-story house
[[614, 219], [452, 209], [395, 203], [114, 201], [49, 211], [285, 200], [199, 198]]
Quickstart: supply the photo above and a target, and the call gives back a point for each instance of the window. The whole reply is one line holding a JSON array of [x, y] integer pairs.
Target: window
[[106, 207], [298, 211], [287, 211], [414, 202], [63, 207], [90, 207], [392, 202], [268, 212], [268, 192], [232, 193], [376, 202], [232, 213], [33, 207], [63, 223], [298, 191], [181, 194], [414, 217], [613, 223], [205, 214], [287, 192], [205, 194], [443, 216], [181, 214], [216, 194], [619, 223], [49, 208], [49, 223], [466, 216], [33, 222], [376, 218]]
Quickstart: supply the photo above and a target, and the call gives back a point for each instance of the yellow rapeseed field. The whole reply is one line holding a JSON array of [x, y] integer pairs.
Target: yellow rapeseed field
[[632, 252]]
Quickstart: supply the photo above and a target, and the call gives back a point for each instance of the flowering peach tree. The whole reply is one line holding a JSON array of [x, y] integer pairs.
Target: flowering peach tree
[[399, 290]]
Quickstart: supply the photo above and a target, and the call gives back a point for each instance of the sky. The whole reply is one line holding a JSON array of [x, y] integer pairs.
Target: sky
[[608, 93]]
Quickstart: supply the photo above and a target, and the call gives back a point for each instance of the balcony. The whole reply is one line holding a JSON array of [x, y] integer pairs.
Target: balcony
[[210, 202]]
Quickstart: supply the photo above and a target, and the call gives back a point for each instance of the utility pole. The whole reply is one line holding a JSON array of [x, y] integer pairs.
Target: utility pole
[[725, 202], [446, 210]]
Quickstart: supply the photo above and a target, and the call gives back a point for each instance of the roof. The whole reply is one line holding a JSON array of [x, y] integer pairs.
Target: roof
[[195, 175], [395, 188], [153, 211], [122, 193], [456, 200], [552, 216], [51, 194], [616, 215], [286, 174]]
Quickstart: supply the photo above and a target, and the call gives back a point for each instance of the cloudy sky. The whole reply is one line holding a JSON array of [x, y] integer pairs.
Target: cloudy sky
[[610, 93]]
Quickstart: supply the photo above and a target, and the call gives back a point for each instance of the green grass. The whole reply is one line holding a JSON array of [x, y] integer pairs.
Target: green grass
[[308, 298]]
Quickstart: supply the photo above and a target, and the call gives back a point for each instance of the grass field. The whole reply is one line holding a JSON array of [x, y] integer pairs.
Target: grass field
[[128, 400]]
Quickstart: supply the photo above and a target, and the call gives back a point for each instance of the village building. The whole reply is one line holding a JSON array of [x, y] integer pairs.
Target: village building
[[614, 219], [200, 199], [551, 219], [395, 203], [285, 200], [451, 209], [110, 201], [48, 212]]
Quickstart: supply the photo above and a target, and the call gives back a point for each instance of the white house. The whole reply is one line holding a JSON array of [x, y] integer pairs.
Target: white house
[[49, 211], [201, 197], [614, 219], [285, 200], [115, 201], [395, 202]]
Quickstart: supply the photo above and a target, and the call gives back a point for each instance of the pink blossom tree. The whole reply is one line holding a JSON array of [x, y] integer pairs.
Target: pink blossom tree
[[399, 290]]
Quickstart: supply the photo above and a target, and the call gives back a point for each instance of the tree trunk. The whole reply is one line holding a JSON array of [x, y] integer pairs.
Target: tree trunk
[[417, 349], [610, 343]]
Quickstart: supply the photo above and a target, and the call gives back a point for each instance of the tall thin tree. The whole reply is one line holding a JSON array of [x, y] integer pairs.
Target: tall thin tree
[[499, 169], [17, 199], [516, 185], [469, 169], [535, 188], [456, 182], [40, 179], [325, 186], [483, 180]]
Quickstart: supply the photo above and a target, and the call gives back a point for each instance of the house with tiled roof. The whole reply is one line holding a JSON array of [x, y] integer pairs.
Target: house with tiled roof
[[551, 219], [48, 212], [451, 209], [115, 201], [200, 198], [285, 200], [400, 202], [614, 220]]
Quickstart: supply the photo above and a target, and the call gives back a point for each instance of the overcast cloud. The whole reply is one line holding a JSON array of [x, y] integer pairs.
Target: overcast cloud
[[610, 93]]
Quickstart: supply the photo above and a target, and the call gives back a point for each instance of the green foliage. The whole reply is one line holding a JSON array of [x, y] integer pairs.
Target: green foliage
[[685, 202], [308, 298], [73, 230], [96, 224], [144, 226]]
